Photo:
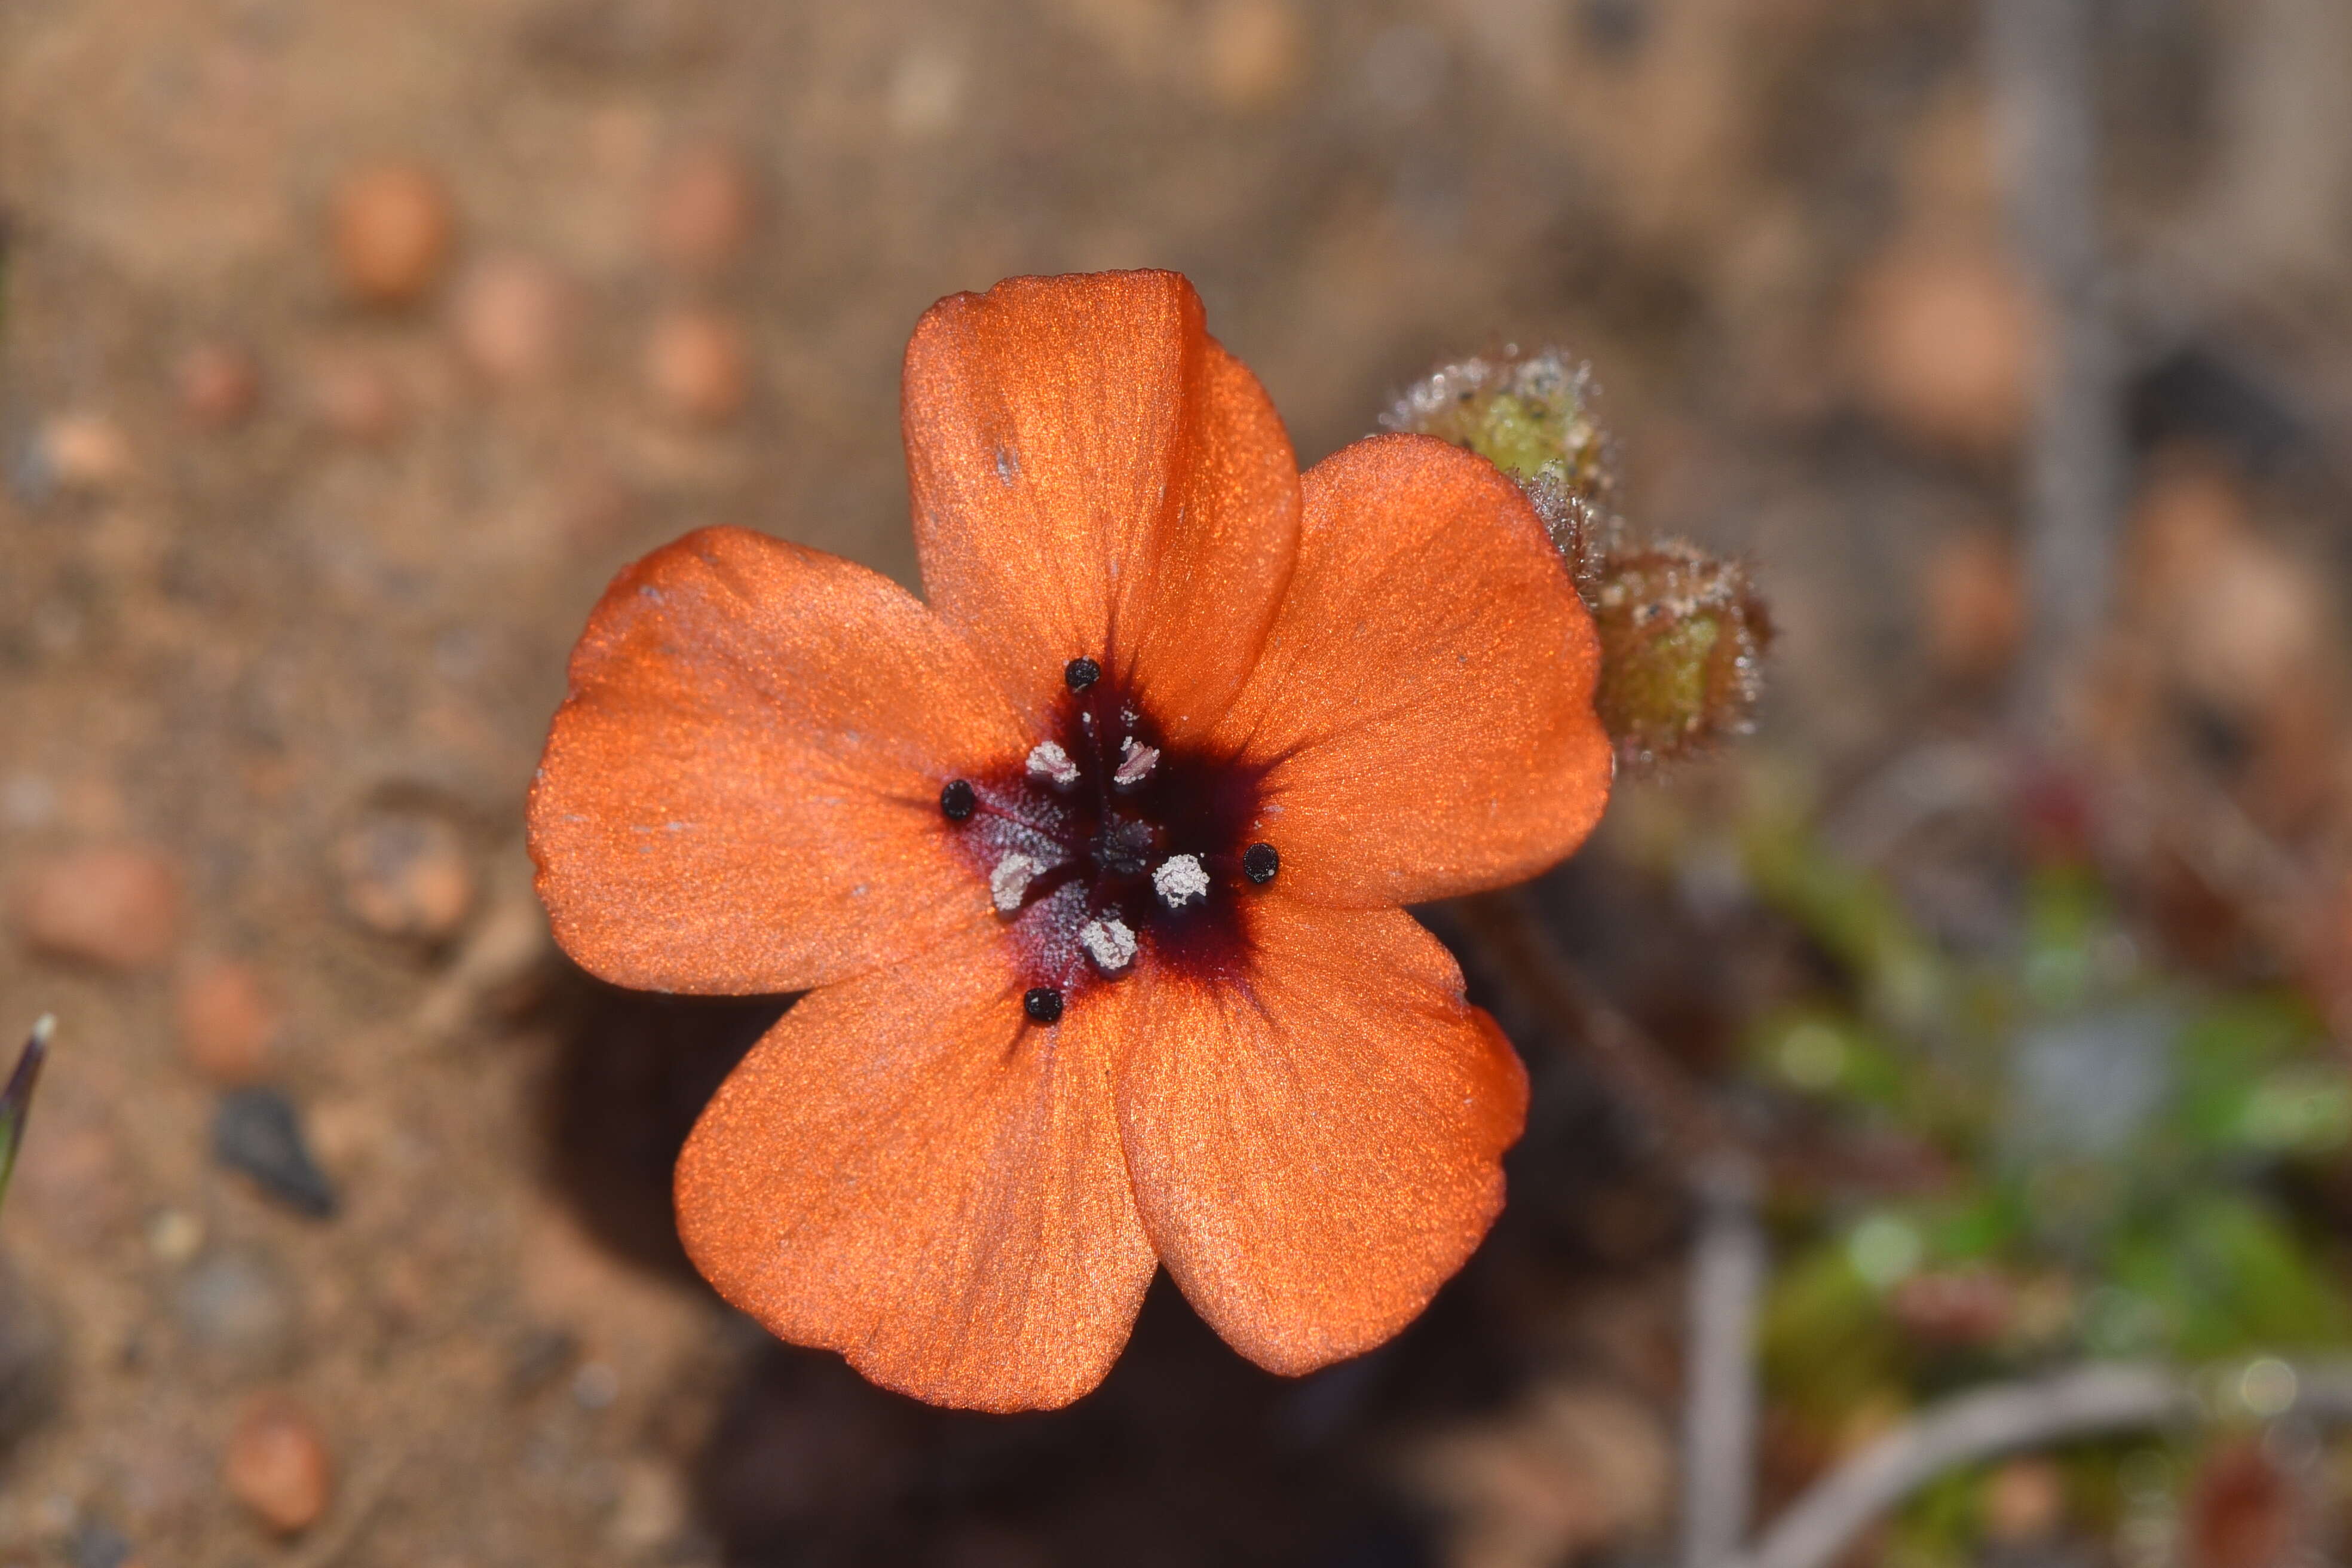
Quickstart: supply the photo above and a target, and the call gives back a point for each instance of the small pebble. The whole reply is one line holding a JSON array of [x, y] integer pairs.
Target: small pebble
[[84, 452], [27, 800], [1974, 596], [702, 210], [391, 229], [407, 874], [1254, 51], [258, 1130], [219, 384], [174, 1235], [357, 402], [537, 1359], [596, 1386], [924, 96], [233, 1306], [277, 1464], [1943, 342], [699, 366], [97, 1544], [228, 1021], [118, 907], [513, 319], [653, 1510]]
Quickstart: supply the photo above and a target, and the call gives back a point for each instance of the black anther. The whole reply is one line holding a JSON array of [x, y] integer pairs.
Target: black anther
[[1260, 862], [1043, 1004], [1080, 673], [957, 801]]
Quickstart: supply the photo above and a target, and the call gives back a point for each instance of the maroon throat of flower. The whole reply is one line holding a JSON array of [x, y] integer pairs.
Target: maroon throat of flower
[[1110, 847]]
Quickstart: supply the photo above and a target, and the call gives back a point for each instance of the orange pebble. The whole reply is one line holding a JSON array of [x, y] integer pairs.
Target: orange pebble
[[1942, 342], [277, 1464], [702, 210], [392, 232], [227, 1020], [699, 366], [513, 319], [218, 383], [118, 907]]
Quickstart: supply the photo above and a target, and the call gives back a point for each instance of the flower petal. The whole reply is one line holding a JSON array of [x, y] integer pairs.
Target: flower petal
[[1092, 474], [908, 1172], [1315, 1147], [741, 793], [1424, 700]]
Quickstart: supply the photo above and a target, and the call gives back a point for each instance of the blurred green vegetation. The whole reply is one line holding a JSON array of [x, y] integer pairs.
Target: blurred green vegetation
[[2106, 1160]]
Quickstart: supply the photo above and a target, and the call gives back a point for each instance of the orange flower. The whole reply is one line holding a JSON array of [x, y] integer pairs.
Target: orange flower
[[1091, 869]]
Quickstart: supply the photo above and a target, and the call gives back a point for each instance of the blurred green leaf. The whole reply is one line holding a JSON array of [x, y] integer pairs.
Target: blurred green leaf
[[1851, 915], [1941, 1522], [1828, 1347], [1982, 1226], [2227, 1276]]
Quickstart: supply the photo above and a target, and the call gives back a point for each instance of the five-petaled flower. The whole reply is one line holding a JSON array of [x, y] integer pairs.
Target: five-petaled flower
[[1091, 869]]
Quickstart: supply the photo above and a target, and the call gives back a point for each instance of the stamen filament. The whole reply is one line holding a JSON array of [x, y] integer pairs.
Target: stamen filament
[[989, 808]]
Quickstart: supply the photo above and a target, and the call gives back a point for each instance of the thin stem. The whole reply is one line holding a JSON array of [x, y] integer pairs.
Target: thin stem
[[983, 804], [1527, 960], [1728, 1264], [2039, 53], [2084, 1403]]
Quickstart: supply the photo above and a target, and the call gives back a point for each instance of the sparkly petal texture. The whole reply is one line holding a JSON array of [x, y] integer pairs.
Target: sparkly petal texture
[[1091, 867]]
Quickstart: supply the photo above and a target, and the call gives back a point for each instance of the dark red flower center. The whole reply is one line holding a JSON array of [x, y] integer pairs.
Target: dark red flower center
[[1110, 847]]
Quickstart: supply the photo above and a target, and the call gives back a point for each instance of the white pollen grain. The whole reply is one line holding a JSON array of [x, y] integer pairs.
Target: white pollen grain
[[1180, 880], [1135, 762], [1052, 764], [1109, 944], [1009, 883]]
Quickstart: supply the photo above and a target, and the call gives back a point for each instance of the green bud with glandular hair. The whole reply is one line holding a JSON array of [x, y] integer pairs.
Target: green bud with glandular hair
[[1683, 633]]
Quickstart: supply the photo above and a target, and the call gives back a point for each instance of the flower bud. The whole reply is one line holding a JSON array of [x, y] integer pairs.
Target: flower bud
[[1683, 636], [1683, 633], [1530, 416]]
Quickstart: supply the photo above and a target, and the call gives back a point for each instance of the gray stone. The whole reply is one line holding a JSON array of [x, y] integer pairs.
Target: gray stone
[[258, 1130], [234, 1308]]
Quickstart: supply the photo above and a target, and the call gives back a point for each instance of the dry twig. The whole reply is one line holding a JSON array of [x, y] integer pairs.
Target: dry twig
[[2039, 53], [1511, 936], [1727, 1262]]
